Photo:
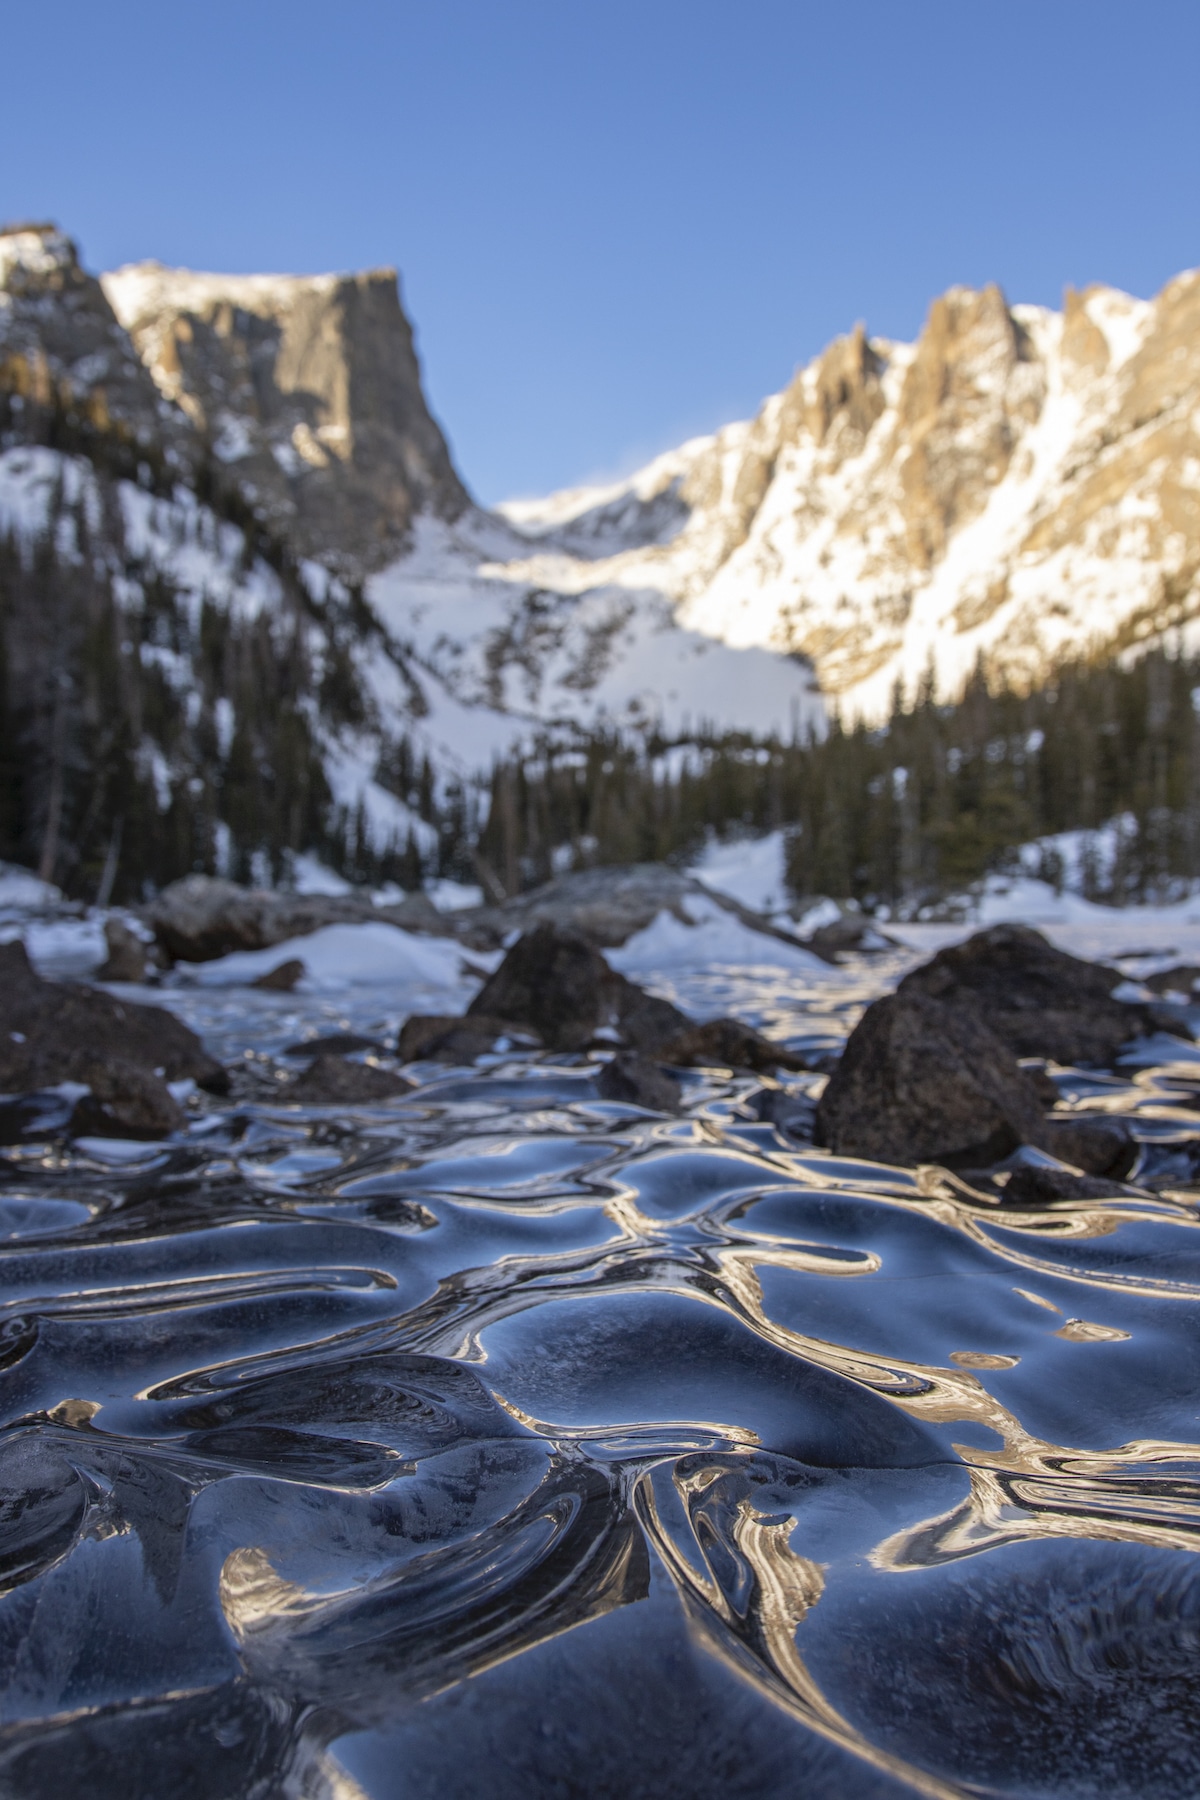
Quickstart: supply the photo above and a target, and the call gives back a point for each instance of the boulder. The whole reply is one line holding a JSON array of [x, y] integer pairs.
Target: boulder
[[1038, 1000], [128, 954], [125, 1101], [636, 1081], [1033, 1185], [605, 906], [53, 1031], [438, 1037], [1095, 1143], [560, 985], [1180, 980], [730, 1042], [332, 1081], [849, 935], [923, 1081], [201, 917], [282, 978]]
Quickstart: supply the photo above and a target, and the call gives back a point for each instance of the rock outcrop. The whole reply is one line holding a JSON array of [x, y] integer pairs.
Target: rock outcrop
[[62, 346], [926, 1081], [309, 390], [608, 905], [1037, 1000], [1017, 484], [53, 1032], [558, 985], [202, 917]]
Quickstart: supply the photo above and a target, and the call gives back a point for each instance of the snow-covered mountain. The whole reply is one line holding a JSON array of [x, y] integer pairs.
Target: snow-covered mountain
[[1019, 484]]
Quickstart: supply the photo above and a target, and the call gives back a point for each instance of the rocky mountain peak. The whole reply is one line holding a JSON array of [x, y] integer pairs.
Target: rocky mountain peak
[[60, 343], [308, 388]]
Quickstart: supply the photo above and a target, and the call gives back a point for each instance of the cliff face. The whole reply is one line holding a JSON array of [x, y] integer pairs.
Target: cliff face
[[1019, 484], [309, 390], [61, 344]]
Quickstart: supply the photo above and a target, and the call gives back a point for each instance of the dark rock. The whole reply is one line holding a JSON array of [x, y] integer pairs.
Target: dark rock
[[1043, 1081], [333, 1043], [201, 917], [128, 954], [729, 1042], [1180, 980], [636, 1081], [54, 1031], [791, 1113], [1030, 1185], [125, 1101], [848, 935], [330, 1081], [1094, 1142], [1036, 999], [283, 978], [558, 983], [437, 1037], [922, 1081], [605, 906]]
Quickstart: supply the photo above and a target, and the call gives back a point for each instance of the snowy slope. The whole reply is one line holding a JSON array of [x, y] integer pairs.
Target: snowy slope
[[1019, 484]]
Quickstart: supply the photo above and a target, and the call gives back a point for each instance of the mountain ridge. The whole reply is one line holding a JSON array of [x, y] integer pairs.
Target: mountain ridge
[[1018, 485]]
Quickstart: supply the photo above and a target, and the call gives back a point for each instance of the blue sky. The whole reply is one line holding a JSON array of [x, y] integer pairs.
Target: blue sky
[[616, 225]]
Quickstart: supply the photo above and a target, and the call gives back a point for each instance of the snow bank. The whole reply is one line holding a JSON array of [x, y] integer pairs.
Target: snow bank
[[750, 870], [714, 940], [372, 954]]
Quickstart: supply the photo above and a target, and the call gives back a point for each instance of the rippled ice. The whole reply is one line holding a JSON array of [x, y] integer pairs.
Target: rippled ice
[[503, 1441]]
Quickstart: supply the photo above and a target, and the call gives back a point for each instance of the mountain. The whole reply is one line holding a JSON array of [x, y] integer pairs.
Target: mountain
[[308, 387], [248, 608], [1018, 485]]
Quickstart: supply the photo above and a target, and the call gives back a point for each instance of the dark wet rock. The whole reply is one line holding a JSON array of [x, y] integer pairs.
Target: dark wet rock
[[331, 1081], [201, 917], [558, 983], [605, 906], [440, 1037], [788, 1112], [334, 1043], [1036, 999], [283, 978], [923, 1081], [636, 1081], [848, 936], [1043, 1081], [1033, 1185], [51, 1032], [1180, 980], [729, 1041], [1096, 1143], [128, 954], [125, 1101]]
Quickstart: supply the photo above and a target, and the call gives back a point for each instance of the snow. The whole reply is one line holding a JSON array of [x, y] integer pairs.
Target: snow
[[789, 541], [453, 896], [22, 888], [715, 939], [309, 875], [374, 954], [750, 870]]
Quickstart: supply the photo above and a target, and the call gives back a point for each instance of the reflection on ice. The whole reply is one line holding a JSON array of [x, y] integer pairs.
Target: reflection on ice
[[500, 1438]]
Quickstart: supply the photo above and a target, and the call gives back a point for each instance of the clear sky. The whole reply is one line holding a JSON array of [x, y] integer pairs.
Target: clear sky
[[617, 225]]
